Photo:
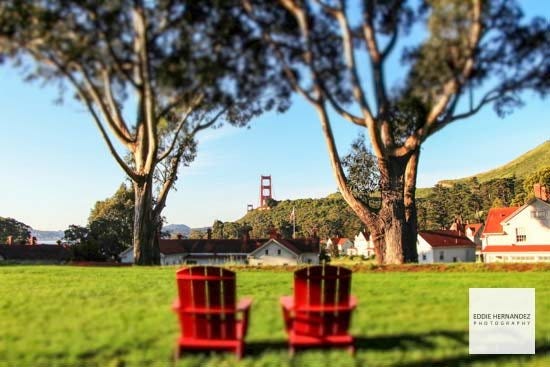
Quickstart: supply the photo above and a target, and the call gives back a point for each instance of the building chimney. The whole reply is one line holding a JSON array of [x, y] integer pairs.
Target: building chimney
[[10, 240], [246, 235], [209, 233], [273, 234], [541, 192]]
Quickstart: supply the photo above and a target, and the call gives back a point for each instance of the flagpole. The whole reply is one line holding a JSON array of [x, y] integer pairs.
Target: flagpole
[[293, 222]]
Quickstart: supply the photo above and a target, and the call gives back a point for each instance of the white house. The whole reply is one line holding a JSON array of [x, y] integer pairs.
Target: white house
[[364, 246], [277, 251], [344, 245], [473, 232], [200, 251], [235, 251], [444, 246], [518, 234]]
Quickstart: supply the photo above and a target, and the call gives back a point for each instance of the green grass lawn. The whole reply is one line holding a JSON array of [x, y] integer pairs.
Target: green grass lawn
[[82, 316]]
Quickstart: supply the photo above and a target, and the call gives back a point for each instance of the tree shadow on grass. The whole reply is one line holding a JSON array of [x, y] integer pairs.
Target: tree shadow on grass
[[431, 340], [409, 341], [257, 348], [468, 359]]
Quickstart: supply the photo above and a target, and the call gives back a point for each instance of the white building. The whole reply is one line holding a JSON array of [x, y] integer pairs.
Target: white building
[[364, 246], [344, 245], [444, 246], [277, 251], [518, 234], [234, 251]]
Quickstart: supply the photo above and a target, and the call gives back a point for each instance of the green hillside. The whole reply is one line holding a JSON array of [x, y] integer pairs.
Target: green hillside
[[330, 216], [523, 165]]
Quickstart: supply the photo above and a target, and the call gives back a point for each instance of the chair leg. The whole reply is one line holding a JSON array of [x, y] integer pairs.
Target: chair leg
[[177, 352], [291, 351], [351, 350], [239, 351]]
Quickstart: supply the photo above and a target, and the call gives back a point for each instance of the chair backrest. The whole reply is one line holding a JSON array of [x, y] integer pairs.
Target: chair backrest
[[207, 302], [318, 291]]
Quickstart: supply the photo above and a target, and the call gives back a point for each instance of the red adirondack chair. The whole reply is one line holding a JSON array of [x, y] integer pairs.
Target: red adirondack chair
[[319, 313], [207, 310]]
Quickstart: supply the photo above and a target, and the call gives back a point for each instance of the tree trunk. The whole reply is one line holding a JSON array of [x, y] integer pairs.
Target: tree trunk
[[146, 248], [397, 212], [411, 214]]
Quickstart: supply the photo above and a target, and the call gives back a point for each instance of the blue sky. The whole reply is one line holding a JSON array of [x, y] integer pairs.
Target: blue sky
[[55, 165]]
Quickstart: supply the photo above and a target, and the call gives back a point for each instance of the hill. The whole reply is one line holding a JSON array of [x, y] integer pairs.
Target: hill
[[47, 235], [520, 167], [177, 228], [329, 216]]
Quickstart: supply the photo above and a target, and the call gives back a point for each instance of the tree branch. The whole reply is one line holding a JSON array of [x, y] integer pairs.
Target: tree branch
[[80, 91], [180, 126], [98, 100], [141, 48], [453, 85], [363, 210], [208, 124], [291, 77], [115, 110]]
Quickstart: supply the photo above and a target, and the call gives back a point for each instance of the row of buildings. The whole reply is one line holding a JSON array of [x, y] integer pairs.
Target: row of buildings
[[271, 251], [511, 234]]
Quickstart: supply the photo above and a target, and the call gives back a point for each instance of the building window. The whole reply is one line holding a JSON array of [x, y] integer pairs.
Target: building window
[[424, 257], [267, 252], [441, 253], [309, 261], [539, 214], [278, 251], [520, 235], [454, 259]]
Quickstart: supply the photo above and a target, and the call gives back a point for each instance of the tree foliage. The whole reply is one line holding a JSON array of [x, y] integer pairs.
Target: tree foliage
[[362, 172], [326, 217], [188, 67], [471, 200], [11, 227], [111, 220], [475, 45]]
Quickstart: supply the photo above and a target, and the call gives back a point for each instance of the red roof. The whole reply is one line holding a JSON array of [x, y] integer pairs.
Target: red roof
[[495, 216], [300, 245], [446, 238], [517, 248], [474, 227], [169, 246]]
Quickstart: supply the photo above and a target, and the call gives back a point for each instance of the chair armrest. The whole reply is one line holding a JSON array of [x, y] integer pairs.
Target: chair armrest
[[244, 307], [352, 302], [244, 304], [176, 305], [287, 302]]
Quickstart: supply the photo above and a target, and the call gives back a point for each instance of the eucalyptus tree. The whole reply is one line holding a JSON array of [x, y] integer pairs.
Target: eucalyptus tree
[[151, 74], [464, 55]]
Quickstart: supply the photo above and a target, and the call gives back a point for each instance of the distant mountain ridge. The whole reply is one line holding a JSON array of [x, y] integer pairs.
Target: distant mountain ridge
[[177, 228], [47, 235]]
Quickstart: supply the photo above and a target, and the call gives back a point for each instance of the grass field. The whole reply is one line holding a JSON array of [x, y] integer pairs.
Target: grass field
[[84, 316]]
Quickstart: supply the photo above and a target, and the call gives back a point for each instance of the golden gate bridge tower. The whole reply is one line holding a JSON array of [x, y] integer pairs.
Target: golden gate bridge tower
[[266, 190]]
